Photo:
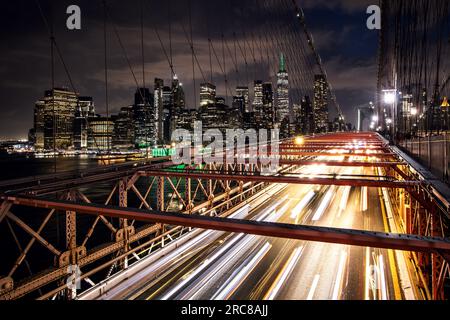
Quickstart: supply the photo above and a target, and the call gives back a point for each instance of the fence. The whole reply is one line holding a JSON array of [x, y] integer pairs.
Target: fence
[[431, 151]]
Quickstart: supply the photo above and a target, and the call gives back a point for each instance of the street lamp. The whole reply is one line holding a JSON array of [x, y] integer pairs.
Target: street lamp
[[299, 140]]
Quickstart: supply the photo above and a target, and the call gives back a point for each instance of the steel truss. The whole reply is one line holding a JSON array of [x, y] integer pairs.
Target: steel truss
[[145, 206]]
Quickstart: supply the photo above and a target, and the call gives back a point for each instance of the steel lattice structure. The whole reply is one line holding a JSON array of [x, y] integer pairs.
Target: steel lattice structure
[[127, 220]]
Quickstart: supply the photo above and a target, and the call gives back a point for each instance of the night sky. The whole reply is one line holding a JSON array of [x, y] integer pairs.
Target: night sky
[[348, 50]]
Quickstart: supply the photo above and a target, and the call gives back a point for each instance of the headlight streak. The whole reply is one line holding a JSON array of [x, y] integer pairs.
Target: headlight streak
[[226, 291], [284, 274]]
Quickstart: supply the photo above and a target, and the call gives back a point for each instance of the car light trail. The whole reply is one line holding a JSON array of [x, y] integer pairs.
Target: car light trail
[[313, 287], [284, 274], [344, 199], [364, 201], [367, 285], [302, 204], [339, 276], [231, 287], [203, 266], [382, 277], [324, 204]]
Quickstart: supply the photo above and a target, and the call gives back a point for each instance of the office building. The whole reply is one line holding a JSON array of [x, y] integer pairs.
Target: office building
[[207, 94], [123, 137], [321, 91], [243, 93], [59, 114], [282, 99], [144, 118]]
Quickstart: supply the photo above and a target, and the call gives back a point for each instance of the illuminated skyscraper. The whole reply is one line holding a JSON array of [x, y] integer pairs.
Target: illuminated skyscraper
[[144, 118], [39, 124], [167, 112], [85, 109], [59, 115], [242, 92], [306, 117], [178, 115], [123, 137], [100, 133], [258, 96], [207, 94], [282, 100], [321, 103], [268, 107], [158, 97]]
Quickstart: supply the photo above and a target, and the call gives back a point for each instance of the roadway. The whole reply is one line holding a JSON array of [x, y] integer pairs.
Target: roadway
[[220, 265]]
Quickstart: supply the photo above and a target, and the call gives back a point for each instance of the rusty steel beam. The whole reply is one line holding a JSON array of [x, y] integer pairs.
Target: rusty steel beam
[[284, 179], [269, 229], [339, 163], [327, 154]]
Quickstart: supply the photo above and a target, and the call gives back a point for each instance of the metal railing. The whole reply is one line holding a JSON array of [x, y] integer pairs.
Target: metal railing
[[432, 152]]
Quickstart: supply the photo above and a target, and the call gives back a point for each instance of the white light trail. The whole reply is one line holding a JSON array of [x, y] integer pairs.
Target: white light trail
[[231, 287], [302, 204], [324, 204], [364, 201], [382, 277], [285, 273], [344, 199], [313, 287], [339, 276]]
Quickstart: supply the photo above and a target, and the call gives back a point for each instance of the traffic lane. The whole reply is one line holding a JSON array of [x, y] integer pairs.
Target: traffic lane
[[209, 288], [285, 195]]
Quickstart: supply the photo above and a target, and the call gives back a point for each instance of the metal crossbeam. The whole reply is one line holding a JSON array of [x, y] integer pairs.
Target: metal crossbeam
[[269, 229], [283, 179]]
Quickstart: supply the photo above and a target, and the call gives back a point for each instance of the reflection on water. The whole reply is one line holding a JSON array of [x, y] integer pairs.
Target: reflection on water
[[18, 166]]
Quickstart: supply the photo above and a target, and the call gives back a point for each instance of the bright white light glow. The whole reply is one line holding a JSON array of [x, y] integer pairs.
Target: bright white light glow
[[302, 204], [324, 204], [282, 277], [389, 97]]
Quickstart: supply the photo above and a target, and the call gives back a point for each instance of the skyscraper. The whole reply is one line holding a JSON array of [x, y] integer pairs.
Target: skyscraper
[[178, 108], [123, 137], [257, 106], [207, 94], [268, 107], [258, 96], [239, 104], [242, 92], [144, 118], [282, 101], [306, 117], [167, 112], [321, 103], [100, 133], [85, 109], [59, 115], [39, 124], [158, 97]]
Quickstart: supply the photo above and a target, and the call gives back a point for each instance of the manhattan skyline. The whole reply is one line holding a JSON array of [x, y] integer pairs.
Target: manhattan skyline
[[25, 71]]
